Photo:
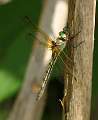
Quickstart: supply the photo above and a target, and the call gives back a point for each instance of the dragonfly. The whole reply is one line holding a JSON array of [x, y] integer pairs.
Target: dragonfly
[[56, 46]]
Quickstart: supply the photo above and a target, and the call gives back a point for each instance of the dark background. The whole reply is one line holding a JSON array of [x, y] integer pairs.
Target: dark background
[[94, 109]]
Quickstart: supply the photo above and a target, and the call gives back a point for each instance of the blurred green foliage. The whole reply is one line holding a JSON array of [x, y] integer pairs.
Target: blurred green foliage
[[14, 47]]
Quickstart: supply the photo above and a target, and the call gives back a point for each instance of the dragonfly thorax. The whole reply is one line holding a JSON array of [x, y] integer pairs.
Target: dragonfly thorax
[[60, 43]]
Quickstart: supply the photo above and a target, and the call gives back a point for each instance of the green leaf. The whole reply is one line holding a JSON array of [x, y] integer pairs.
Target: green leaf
[[9, 85]]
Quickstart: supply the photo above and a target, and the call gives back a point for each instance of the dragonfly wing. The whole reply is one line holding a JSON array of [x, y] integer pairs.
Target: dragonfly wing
[[41, 35], [47, 75]]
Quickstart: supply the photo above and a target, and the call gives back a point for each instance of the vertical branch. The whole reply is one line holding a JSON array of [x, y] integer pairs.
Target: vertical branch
[[78, 98]]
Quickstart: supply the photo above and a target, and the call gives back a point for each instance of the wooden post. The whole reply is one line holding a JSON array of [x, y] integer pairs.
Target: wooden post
[[78, 99]]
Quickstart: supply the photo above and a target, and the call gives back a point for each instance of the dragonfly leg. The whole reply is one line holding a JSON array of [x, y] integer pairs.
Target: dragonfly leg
[[78, 44], [68, 69], [64, 103]]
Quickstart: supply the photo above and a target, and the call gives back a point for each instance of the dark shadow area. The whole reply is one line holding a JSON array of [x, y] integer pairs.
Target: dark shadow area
[[53, 108], [94, 102]]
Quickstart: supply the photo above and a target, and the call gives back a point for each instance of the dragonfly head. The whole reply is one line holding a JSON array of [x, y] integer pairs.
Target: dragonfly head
[[63, 35]]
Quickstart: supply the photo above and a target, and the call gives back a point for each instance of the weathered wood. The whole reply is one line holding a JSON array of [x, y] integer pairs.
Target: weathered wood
[[78, 99]]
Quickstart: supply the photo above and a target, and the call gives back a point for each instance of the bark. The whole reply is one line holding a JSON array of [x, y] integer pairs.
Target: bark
[[81, 18]]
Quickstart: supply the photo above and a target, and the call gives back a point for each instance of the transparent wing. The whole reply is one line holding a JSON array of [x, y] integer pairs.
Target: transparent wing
[[47, 41], [41, 35], [46, 77]]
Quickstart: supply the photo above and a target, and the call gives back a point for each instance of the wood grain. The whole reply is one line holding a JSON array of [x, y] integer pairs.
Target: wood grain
[[82, 18]]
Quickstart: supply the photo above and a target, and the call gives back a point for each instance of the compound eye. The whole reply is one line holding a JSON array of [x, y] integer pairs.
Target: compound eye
[[62, 34]]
